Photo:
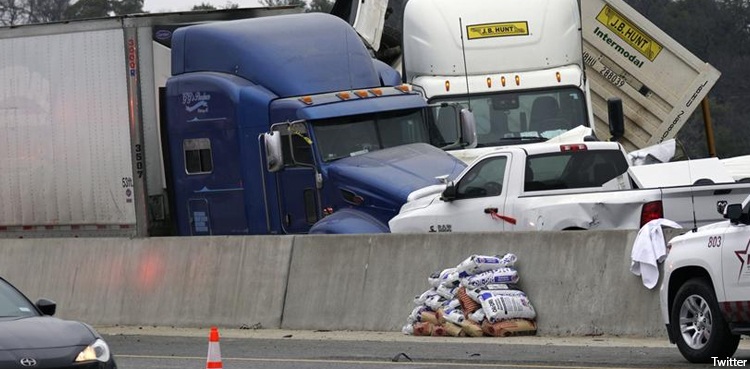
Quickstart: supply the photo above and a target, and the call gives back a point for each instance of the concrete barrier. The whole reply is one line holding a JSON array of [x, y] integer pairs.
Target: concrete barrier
[[192, 282], [578, 282]]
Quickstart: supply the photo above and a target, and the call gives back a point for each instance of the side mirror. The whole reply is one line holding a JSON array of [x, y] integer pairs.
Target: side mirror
[[449, 194], [274, 155], [468, 129], [733, 213], [616, 118], [47, 307]]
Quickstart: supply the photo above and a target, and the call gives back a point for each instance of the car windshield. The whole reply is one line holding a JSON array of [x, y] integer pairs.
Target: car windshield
[[13, 303], [523, 117], [355, 135]]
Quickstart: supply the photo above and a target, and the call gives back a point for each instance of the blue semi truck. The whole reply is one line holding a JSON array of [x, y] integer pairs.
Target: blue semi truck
[[287, 124], [168, 124]]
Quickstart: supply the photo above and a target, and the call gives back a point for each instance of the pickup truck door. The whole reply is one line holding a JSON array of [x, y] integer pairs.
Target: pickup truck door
[[735, 265], [480, 199]]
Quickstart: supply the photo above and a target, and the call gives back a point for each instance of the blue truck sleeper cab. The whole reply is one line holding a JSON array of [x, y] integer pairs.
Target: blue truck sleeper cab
[[357, 146]]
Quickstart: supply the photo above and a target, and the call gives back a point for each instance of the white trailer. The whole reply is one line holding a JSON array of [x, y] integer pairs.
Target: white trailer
[[659, 81], [79, 123], [65, 130]]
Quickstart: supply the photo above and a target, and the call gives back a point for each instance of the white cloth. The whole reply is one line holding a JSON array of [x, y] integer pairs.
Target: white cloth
[[649, 249]]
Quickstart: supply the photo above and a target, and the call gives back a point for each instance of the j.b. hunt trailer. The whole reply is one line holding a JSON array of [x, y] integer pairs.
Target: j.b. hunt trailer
[[659, 81]]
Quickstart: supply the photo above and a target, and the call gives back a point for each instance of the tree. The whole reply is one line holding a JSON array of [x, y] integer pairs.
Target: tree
[[207, 6], [43, 11], [203, 6], [274, 3], [323, 6], [12, 12], [102, 8]]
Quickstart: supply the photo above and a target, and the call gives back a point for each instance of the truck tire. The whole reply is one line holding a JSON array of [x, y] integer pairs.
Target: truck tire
[[699, 326]]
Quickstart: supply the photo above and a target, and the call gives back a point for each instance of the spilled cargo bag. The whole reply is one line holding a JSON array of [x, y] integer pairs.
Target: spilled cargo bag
[[480, 263], [499, 308], [495, 276], [510, 327]]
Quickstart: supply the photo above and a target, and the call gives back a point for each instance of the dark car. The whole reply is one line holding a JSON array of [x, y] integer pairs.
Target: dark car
[[30, 338]]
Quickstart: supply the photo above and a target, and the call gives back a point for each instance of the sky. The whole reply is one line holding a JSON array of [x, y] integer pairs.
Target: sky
[[158, 6]]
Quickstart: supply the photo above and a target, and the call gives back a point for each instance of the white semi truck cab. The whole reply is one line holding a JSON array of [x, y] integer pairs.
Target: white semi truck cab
[[520, 70]]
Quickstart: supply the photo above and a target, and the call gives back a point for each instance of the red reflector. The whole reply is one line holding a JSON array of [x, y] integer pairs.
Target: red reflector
[[574, 147], [651, 210]]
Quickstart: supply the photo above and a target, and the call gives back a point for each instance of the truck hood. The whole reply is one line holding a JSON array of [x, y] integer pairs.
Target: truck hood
[[386, 177]]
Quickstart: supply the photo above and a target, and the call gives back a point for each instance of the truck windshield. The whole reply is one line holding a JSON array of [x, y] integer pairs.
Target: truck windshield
[[354, 135], [525, 116]]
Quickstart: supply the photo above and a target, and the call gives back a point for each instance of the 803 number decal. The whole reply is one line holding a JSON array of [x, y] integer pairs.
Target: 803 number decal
[[714, 241]]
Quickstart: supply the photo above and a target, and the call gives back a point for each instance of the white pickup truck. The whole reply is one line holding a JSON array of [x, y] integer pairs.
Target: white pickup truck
[[705, 291], [557, 186]]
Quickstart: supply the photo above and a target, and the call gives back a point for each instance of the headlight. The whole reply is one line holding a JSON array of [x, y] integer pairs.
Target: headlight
[[95, 351]]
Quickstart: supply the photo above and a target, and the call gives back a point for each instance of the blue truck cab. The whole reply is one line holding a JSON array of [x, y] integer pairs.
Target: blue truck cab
[[286, 124]]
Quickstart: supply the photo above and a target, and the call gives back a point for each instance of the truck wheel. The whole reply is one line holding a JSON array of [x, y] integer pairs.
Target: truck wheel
[[699, 326]]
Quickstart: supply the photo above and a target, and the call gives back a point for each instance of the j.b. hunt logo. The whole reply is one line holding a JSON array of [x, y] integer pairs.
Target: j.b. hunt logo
[[628, 32], [485, 30], [196, 102]]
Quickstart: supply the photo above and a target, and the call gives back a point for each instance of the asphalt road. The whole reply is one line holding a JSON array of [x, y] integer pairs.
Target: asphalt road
[[147, 348]]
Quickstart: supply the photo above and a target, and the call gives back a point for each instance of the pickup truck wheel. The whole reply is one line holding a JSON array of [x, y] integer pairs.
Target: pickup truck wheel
[[699, 326]]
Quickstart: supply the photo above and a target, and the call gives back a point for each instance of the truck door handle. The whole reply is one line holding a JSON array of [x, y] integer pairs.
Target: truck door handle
[[493, 213]]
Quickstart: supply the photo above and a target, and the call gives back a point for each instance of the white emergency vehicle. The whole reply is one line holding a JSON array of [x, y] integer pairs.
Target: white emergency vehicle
[[705, 291]]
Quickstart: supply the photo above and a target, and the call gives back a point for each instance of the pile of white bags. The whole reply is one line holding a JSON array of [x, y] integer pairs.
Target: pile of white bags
[[479, 297]]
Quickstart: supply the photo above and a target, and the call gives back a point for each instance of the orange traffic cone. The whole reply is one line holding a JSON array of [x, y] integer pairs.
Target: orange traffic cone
[[214, 353]]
